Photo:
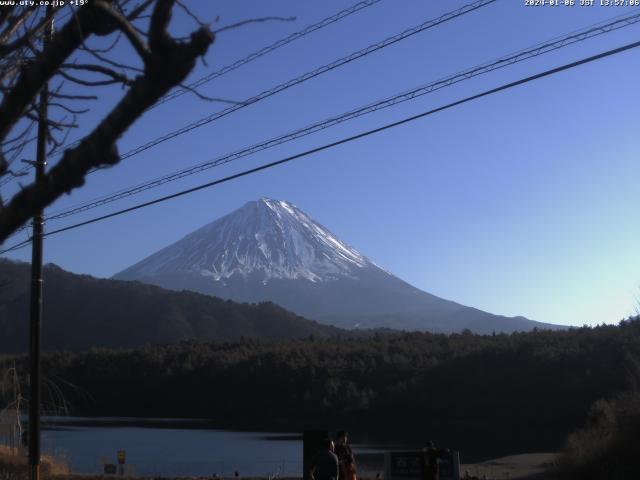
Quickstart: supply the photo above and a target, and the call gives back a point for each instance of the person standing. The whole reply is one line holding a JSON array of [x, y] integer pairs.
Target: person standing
[[429, 461], [324, 465], [345, 457], [348, 471]]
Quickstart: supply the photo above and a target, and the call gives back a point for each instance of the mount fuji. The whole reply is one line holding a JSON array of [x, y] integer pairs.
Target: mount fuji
[[270, 250]]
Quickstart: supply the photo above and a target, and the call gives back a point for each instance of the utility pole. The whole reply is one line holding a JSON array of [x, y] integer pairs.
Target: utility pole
[[37, 281]]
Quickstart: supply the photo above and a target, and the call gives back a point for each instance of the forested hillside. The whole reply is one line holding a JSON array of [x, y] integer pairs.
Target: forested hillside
[[485, 395], [81, 311]]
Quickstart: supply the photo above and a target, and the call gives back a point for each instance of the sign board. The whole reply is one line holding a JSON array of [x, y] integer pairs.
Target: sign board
[[403, 465], [121, 457], [110, 469], [408, 466]]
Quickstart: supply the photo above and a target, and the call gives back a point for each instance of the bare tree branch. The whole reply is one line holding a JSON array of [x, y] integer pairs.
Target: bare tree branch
[[115, 77], [16, 174], [191, 14], [21, 41], [5, 13], [253, 20], [68, 109], [20, 136], [125, 27], [65, 96], [58, 125], [167, 64], [97, 54], [139, 10], [86, 83], [14, 24], [106, 49], [206, 98], [43, 68]]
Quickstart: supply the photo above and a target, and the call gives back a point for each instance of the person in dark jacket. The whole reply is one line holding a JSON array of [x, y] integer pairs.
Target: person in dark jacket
[[429, 460], [345, 455], [324, 465]]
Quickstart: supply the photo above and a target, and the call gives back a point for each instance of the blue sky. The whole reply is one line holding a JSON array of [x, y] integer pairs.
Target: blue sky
[[521, 203]]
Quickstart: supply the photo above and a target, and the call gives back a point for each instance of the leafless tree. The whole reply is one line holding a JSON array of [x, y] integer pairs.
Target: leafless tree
[[80, 54]]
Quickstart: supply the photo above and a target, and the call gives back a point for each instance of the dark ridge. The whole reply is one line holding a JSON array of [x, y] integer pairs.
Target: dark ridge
[[81, 311]]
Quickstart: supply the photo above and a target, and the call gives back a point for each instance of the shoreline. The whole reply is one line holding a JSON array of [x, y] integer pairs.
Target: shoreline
[[526, 466]]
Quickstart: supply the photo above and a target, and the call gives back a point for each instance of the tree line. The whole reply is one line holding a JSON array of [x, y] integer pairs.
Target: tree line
[[487, 395]]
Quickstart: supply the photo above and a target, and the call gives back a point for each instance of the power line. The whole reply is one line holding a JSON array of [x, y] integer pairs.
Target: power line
[[17, 246], [521, 55], [235, 65], [302, 78], [312, 74], [8, 178], [367, 133], [268, 49]]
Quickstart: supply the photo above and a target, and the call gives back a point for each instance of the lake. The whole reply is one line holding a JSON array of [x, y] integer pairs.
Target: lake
[[170, 447]]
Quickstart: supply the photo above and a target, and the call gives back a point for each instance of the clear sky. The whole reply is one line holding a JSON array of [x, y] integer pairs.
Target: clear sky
[[521, 203]]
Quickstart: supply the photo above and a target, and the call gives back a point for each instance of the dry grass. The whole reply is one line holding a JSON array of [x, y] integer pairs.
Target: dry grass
[[608, 448], [14, 466]]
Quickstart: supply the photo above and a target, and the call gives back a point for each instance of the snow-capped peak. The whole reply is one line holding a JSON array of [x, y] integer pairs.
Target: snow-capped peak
[[270, 239]]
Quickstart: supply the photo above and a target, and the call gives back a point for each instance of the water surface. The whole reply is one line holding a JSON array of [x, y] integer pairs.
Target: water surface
[[170, 447]]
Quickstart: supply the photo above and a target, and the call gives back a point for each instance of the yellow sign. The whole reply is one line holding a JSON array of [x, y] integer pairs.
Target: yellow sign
[[121, 457]]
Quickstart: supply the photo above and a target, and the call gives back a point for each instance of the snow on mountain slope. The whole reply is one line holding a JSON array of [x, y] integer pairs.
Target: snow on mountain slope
[[269, 238], [269, 250]]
